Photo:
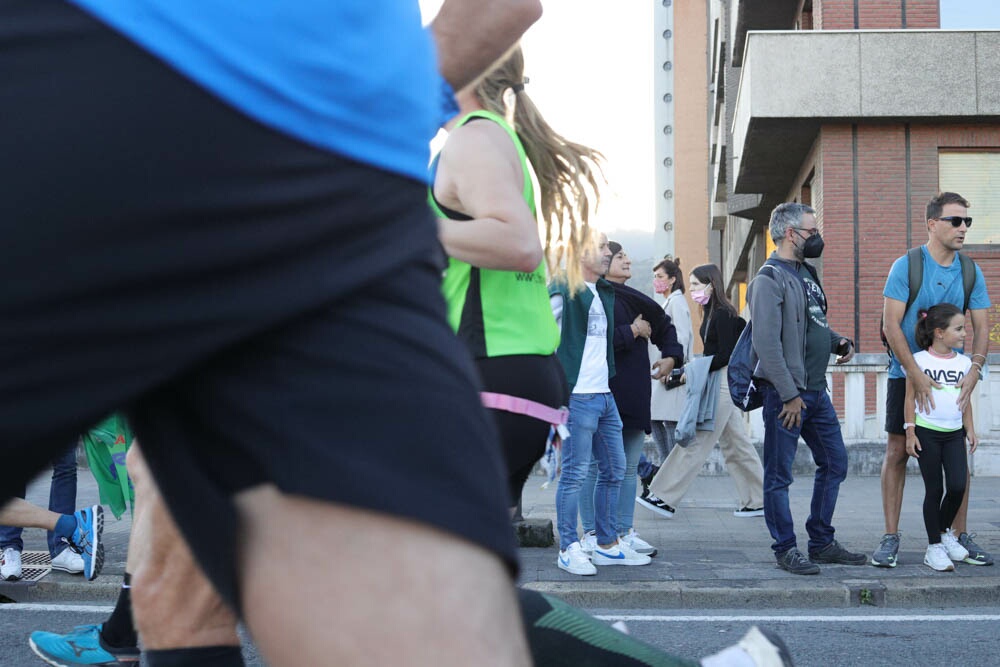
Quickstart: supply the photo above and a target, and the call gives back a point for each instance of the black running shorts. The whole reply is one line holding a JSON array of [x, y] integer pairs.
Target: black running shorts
[[895, 397], [266, 311]]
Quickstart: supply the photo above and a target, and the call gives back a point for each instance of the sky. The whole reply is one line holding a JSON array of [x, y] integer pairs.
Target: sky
[[590, 65]]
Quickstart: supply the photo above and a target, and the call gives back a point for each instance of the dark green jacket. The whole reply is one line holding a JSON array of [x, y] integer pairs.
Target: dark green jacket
[[575, 314]]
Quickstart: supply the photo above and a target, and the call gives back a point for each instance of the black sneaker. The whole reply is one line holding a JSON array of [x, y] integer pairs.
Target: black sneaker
[[749, 511], [653, 503], [834, 554], [646, 480], [795, 561]]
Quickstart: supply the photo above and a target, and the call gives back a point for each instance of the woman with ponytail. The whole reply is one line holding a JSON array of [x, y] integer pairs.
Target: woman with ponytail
[[488, 224]]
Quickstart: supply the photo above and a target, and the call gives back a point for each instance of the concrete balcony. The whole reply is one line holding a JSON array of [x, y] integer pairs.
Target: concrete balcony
[[793, 82]]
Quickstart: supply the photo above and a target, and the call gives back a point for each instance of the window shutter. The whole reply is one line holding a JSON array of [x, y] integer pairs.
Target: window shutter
[[976, 176]]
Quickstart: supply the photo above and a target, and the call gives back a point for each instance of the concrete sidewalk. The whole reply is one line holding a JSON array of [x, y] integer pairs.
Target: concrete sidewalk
[[708, 558]]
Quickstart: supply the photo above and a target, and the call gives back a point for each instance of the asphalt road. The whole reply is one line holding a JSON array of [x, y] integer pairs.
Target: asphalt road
[[868, 637], [817, 638], [18, 621]]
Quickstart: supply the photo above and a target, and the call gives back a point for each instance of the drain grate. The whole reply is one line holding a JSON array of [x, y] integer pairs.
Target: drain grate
[[35, 565]]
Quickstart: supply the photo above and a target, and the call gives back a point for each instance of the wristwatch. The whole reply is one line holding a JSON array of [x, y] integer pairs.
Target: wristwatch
[[907, 425]]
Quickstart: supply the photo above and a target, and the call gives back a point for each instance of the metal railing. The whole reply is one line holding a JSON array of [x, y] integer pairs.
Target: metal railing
[[861, 421]]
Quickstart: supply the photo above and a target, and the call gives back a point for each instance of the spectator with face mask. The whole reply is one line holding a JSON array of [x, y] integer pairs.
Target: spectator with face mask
[[720, 329]]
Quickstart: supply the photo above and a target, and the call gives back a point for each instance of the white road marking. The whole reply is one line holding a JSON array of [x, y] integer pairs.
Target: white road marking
[[17, 606], [802, 619]]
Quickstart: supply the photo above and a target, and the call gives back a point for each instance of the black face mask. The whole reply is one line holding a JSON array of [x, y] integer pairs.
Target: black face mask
[[812, 247]]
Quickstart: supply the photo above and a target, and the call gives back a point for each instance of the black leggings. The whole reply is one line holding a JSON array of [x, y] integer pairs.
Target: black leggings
[[941, 449], [536, 378]]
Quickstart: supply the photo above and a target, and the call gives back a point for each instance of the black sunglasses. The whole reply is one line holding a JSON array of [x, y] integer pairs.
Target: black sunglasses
[[957, 220]]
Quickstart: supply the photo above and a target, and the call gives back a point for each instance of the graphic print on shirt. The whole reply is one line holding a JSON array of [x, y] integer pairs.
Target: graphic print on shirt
[[948, 371], [593, 378], [817, 303], [944, 376], [597, 321]]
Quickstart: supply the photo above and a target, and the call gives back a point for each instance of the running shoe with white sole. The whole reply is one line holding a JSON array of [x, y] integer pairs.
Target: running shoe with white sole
[[68, 561], [10, 569], [589, 542], [937, 558], [955, 550], [885, 554], [651, 502], [83, 646], [758, 648], [976, 554], [749, 512], [618, 554], [575, 561], [637, 544], [86, 540]]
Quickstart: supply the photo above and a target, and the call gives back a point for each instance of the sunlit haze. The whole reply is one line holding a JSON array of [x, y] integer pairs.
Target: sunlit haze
[[590, 67]]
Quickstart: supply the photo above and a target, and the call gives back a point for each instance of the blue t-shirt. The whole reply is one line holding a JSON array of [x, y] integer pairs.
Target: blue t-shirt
[[941, 284], [356, 77]]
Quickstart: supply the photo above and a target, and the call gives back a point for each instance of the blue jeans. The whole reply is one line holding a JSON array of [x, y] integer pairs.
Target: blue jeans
[[633, 439], [820, 429], [62, 500], [590, 415]]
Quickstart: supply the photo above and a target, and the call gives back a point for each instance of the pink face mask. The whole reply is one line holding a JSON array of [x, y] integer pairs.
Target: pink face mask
[[701, 296], [660, 286]]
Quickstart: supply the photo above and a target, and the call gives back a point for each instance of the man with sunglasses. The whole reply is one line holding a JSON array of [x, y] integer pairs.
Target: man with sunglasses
[[947, 225]]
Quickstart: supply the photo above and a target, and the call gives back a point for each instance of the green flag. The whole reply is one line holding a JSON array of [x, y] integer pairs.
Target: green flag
[[106, 445]]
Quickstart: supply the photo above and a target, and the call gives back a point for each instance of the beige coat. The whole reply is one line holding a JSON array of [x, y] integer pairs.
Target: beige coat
[[667, 405]]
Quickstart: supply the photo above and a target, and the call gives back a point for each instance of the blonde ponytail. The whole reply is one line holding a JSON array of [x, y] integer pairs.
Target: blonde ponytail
[[568, 173]]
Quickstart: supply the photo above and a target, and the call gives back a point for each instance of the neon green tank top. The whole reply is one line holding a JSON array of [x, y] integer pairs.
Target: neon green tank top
[[498, 313]]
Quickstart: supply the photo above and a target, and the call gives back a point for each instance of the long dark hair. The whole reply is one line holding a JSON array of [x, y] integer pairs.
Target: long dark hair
[[672, 267], [709, 274], [932, 319]]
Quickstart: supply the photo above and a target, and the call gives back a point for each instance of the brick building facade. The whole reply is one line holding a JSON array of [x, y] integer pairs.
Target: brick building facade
[[852, 122]]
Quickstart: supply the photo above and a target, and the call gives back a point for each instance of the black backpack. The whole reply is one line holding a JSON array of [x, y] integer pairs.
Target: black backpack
[[916, 279], [744, 386]]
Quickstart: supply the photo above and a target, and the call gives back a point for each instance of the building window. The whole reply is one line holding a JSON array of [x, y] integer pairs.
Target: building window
[[976, 176]]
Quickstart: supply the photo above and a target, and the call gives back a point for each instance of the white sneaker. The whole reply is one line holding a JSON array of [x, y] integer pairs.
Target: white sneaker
[[589, 542], [11, 568], [758, 648], [955, 550], [68, 561], [618, 554], [937, 558], [637, 544], [574, 561]]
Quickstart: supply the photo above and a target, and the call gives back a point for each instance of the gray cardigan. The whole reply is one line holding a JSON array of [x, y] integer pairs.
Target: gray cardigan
[[778, 303], [702, 400]]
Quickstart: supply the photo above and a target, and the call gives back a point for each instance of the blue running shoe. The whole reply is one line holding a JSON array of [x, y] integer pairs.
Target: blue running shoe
[[83, 646], [86, 539]]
